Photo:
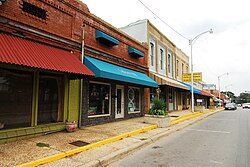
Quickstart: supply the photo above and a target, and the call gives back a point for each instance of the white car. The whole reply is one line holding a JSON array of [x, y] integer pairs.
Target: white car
[[246, 105]]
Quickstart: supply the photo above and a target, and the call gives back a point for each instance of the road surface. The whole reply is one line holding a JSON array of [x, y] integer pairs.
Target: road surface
[[220, 140]]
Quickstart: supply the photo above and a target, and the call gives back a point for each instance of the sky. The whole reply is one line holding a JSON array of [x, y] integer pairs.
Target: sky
[[227, 50]]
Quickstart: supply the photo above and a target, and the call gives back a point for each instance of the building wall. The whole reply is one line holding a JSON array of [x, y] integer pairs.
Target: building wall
[[137, 29], [117, 55], [119, 52], [61, 28], [160, 44]]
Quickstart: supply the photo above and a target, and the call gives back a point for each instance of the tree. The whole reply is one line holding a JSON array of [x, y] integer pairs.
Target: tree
[[244, 98], [230, 95]]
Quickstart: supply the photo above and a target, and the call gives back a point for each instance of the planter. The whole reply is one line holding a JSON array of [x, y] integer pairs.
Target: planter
[[161, 121], [71, 126], [199, 108]]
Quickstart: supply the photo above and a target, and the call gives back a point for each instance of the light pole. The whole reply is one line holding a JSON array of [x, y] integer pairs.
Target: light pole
[[191, 43], [219, 84]]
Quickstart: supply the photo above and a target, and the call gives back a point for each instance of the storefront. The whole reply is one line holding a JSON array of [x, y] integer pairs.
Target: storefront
[[115, 93], [35, 85], [170, 90], [201, 98]]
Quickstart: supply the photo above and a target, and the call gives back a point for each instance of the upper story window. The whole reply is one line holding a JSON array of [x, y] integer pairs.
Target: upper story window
[[34, 10], [187, 69], [161, 59], [152, 54], [182, 68], [177, 68], [170, 64]]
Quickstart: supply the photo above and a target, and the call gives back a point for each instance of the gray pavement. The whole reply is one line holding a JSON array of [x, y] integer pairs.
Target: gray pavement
[[23, 151], [221, 140]]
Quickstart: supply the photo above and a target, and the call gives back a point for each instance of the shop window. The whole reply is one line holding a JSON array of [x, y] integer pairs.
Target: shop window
[[133, 100], [15, 99], [50, 99], [99, 99], [34, 10]]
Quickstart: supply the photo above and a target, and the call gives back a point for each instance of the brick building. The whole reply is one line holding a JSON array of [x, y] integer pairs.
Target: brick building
[[40, 66], [120, 87], [46, 47]]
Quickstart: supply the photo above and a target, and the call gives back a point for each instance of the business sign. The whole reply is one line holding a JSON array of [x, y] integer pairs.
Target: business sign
[[197, 76], [209, 87]]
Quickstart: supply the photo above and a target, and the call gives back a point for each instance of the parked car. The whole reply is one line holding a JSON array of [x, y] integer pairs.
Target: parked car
[[246, 105], [230, 106]]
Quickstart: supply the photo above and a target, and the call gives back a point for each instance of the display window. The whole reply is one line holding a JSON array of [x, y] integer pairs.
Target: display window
[[134, 100], [50, 99], [19, 102], [99, 99], [15, 99]]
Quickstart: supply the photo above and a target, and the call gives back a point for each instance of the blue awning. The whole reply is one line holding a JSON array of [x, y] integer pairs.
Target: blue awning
[[110, 71], [105, 38], [196, 91], [134, 52]]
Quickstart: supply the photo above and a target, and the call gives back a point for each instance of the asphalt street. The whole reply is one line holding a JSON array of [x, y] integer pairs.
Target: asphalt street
[[220, 140]]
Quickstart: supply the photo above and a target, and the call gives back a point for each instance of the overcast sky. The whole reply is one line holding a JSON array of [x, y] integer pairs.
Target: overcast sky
[[227, 50]]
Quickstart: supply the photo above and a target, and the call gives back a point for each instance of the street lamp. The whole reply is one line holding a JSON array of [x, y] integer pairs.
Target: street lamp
[[191, 43], [219, 84]]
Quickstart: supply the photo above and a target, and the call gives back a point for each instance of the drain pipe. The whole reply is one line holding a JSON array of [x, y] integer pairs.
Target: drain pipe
[[81, 82]]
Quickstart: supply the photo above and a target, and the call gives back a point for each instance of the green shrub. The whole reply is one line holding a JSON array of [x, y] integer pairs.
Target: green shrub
[[158, 107]]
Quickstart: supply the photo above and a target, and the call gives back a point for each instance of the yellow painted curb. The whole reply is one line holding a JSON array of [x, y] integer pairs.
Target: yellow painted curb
[[184, 116], [85, 148]]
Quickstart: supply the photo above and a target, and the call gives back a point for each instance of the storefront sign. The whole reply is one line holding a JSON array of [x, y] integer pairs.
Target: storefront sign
[[199, 100]]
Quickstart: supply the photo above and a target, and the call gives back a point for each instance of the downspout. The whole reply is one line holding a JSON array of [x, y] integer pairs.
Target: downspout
[[81, 82]]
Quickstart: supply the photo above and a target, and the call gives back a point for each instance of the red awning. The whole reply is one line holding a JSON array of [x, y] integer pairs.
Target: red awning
[[18, 51], [205, 93]]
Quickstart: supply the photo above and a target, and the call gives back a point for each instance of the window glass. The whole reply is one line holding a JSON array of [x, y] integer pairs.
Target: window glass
[[15, 99], [99, 99], [161, 59], [177, 68], [133, 100], [152, 54], [50, 99]]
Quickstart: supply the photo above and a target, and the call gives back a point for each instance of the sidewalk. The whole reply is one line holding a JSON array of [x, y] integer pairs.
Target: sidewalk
[[26, 150]]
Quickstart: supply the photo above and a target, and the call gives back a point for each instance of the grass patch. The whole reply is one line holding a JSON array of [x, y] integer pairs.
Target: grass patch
[[143, 139], [42, 145]]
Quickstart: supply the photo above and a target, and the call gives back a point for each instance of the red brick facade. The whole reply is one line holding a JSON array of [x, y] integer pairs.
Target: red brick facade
[[62, 26], [120, 51]]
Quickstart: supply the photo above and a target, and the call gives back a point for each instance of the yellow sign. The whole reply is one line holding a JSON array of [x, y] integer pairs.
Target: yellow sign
[[197, 76], [186, 77]]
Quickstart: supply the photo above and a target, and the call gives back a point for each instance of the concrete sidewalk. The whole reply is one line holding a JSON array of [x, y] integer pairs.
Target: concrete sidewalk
[[26, 150]]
